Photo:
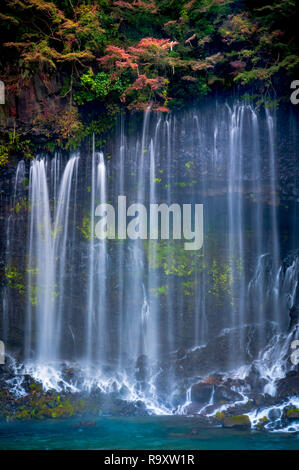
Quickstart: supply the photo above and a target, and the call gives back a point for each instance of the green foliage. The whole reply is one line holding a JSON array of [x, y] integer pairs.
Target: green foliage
[[21, 205], [221, 278], [15, 279], [4, 154], [97, 86], [159, 290], [42, 406], [173, 260], [63, 125], [12, 145], [85, 227]]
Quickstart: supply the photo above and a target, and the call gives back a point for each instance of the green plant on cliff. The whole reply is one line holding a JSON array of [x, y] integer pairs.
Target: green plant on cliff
[[85, 227], [173, 260], [15, 279], [14, 145], [43, 406], [62, 125], [98, 86], [4, 155]]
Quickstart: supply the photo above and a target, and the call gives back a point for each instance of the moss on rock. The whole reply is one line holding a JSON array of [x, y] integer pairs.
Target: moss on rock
[[293, 413]]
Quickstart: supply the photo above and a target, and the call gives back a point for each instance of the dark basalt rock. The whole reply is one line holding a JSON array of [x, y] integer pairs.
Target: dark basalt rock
[[256, 382], [264, 400], [201, 393], [288, 386], [181, 353], [294, 316], [224, 394], [214, 356], [142, 368]]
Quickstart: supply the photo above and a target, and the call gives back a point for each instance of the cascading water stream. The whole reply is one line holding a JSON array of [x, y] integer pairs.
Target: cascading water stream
[[40, 264], [102, 341], [235, 211], [90, 314], [46, 262], [273, 202]]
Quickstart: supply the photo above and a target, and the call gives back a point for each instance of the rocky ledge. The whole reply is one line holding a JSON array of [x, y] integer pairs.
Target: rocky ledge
[[216, 400]]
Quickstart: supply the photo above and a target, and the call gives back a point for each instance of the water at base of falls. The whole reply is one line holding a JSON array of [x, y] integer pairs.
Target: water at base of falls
[[146, 319]]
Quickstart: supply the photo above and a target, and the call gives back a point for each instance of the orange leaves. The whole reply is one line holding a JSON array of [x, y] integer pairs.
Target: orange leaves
[[144, 61], [163, 44], [152, 88], [154, 84], [118, 58], [211, 380], [148, 50]]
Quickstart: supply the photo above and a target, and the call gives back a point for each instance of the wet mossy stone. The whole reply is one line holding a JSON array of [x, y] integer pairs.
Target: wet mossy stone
[[288, 386], [293, 414], [240, 422]]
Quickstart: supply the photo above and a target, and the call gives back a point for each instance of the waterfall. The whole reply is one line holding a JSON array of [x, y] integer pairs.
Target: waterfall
[[258, 223], [235, 212], [150, 323], [200, 323], [120, 189], [97, 340], [41, 264], [90, 316], [102, 341], [125, 309], [46, 261], [273, 202], [169, 153]]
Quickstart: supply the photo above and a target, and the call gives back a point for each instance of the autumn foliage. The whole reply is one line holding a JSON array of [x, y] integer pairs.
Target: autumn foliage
[[112, 54]]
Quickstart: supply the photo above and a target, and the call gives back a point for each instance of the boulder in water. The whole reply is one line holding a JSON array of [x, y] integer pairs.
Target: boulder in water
[[288, 386], [240, 422], [294, 316], [224, 394]]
